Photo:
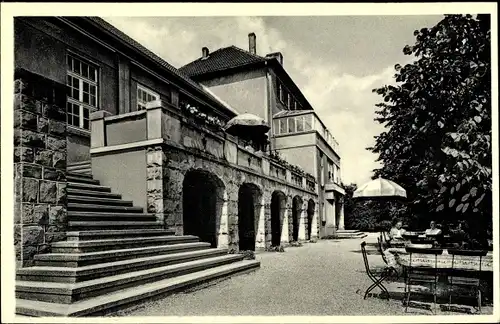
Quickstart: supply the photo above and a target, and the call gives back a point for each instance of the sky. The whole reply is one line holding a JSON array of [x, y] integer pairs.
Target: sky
[[335, 60]]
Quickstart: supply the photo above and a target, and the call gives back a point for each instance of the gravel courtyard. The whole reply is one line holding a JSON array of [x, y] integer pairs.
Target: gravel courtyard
[[326, 278]]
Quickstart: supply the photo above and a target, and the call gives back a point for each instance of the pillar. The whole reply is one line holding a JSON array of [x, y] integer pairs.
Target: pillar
[[302, 222], [286, 224], [314, 223], [260, 240], [330, 225], [40, 156], [223, 233], [341, 216]]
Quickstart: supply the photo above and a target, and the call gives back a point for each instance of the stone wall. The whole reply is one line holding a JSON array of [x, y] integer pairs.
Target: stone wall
[[177, 162], [40, 154]]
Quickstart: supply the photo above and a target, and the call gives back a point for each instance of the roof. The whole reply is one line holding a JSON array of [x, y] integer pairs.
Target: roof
[[288, 113], [222, 59], [158, 60]]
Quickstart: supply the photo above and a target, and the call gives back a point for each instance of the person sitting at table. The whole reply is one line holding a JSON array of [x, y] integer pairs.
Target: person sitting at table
[[397, 231], [433, 230]]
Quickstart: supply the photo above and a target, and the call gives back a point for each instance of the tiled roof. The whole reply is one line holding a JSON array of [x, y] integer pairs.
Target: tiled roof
[[118, 33], [221, 59]]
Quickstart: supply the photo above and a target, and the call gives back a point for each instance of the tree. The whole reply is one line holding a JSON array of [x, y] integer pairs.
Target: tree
[[437, 142]]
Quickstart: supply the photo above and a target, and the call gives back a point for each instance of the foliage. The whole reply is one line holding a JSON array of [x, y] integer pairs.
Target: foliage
[[275, 248], [370, 215], [295, 243], [276, 157], [437, 142], [194, 112]]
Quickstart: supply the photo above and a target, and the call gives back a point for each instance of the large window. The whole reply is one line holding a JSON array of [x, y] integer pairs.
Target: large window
[[293, 124], [82, 83], [145, 95]]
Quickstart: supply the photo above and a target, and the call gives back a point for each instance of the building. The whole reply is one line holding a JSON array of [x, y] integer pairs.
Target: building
[[261, 86], [120, 154]]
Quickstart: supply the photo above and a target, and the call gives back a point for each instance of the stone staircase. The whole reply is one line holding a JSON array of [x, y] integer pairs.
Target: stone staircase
[[114, 255], [350, 234]]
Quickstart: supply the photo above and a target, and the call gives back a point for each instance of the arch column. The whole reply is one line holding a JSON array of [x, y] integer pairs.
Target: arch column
[[303, 221], [341, 214], [260, 239], [286, 224], [223, 232], [314, 223]]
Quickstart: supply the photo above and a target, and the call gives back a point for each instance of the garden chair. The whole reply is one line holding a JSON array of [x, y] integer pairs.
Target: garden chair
[[377, 282], [420, 275], [468, 279], [381, 250]]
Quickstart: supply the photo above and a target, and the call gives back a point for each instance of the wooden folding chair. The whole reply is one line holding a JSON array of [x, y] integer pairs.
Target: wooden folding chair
[[377, 282], [468, 279], [419, 275]]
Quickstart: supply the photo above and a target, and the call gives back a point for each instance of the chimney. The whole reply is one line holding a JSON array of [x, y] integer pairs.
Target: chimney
[[204, 52], [252, 45], [276, 55]]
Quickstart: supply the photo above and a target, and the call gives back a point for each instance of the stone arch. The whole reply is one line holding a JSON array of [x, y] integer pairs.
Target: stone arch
[[311, 206], [278, 207], [249, 210], [203, 199], [295, 217]]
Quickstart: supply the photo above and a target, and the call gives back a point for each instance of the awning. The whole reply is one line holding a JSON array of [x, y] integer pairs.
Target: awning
[[246, 124], [380, 188]]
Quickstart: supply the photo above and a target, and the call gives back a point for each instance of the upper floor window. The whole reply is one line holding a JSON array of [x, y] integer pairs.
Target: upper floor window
[[82, 84], [145, 95], [279, 92], [330, 171]]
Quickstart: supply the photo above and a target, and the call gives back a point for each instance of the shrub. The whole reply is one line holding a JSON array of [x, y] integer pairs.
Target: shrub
[[248, 255], [295, 243], [313, 241], [275, 248]]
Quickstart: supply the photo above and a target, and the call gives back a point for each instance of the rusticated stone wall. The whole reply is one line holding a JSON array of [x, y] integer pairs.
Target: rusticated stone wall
[[175, 163], [40, 154]]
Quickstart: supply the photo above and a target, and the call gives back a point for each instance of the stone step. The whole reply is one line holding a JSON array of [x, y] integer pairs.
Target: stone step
[[112, 225], [78, 166], [117, 216], [122, 298], [83, 259], [73, 164], [81, 179], [122, 243], [80, 175], [104, 208], [108, 234], [90, 272], [348, 231], [91, 193], [83, 171], [85, 186], [99, 200], [65, 293]]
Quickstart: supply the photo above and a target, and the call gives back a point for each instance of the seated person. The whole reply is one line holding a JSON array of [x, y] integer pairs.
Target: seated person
[[397, 231], [433, 230]]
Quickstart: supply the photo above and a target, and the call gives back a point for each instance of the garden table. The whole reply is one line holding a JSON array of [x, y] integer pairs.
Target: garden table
[[398, 257]]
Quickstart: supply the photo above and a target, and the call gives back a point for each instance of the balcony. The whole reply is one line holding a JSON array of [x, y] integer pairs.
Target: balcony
[[302, 121]]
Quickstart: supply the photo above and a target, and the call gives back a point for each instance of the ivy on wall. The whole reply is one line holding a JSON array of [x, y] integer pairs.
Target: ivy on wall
[[195, 113]]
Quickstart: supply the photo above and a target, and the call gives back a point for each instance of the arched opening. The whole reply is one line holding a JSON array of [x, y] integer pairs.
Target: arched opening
[[278, 205], [310, 214], [202, 202], [249, 198], [296, 211]]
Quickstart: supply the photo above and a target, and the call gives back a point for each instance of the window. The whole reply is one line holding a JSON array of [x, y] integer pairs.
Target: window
[[299, 121], [81, 81], [144, 96], [291, 125], [279, 92], [296, 106], [330, 171], [308, 122], [283, 126], [290, 102]]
